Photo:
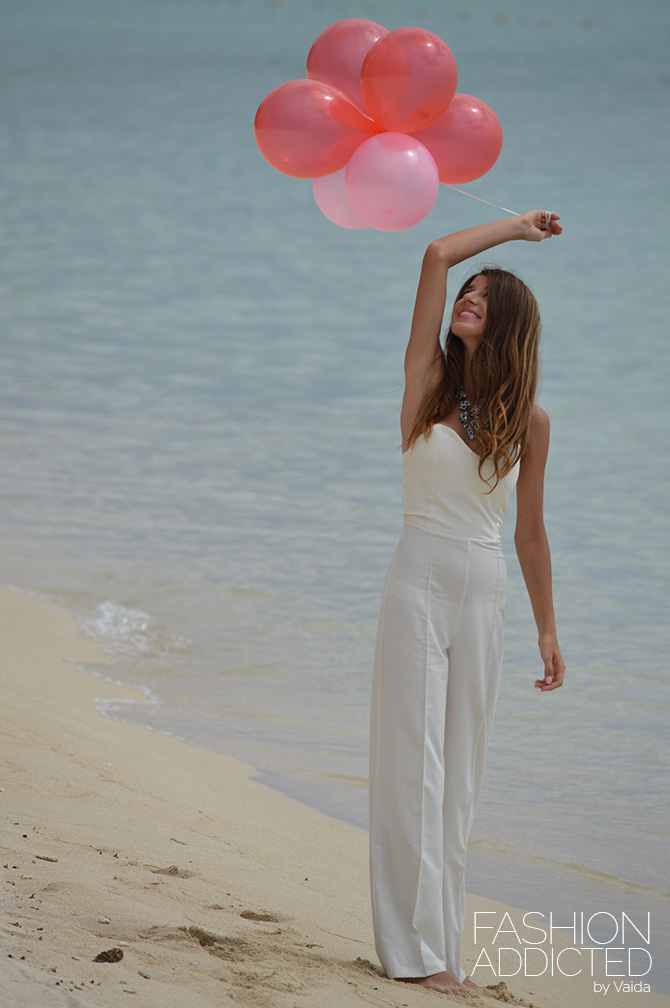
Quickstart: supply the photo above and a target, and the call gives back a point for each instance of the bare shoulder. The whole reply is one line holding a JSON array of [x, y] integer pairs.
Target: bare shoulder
[[538, 431], [539, 419]]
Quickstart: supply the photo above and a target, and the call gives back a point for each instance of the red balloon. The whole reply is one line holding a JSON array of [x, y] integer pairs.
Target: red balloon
[[409, 76], [465, 140], [307, 128], [338, 52]]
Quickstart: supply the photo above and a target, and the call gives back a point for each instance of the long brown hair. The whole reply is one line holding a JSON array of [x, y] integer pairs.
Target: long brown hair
[[504, 369]]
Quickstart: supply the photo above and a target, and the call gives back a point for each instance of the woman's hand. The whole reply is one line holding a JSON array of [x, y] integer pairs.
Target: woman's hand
[[538, 224], [554, 666]]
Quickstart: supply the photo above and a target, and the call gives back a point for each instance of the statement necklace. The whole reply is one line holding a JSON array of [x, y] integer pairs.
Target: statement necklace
[[468, 416]]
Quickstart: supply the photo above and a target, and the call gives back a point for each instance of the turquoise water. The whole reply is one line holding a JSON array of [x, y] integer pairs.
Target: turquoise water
[[201, 385]]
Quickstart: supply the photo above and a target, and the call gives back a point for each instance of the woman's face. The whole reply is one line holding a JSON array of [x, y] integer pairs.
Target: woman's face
[[469, 315]]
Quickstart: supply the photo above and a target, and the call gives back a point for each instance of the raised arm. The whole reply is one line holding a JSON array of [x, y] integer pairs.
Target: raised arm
[[424, 362], [532, 547]]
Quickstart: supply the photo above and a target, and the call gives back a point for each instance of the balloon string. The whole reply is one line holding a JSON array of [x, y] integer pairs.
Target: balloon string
[[472, 195]]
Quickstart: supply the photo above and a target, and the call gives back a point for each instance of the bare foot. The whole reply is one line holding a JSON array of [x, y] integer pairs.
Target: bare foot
[[470, 983], [445, 983]]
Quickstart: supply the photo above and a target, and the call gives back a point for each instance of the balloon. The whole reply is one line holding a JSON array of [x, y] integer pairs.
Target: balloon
[[391, 182], [331, 197], [465, 140], [408, 78], [307, 128], [338, 52]]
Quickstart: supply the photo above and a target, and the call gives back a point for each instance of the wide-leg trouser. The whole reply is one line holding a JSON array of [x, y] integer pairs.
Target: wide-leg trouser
[[437, 669]]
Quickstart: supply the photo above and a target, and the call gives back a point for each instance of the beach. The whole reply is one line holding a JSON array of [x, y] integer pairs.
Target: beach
[[201, 885]]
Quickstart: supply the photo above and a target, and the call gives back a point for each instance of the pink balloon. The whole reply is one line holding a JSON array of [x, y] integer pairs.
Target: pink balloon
[[307, 128], [338, 52], [392, 182], [465, 140], [331, 198], [408, 78]]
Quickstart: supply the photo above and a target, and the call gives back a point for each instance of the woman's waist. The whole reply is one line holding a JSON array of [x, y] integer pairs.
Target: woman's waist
[[461, 531]]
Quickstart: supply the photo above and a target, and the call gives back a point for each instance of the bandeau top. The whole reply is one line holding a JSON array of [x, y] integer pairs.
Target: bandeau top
[[442, 487]]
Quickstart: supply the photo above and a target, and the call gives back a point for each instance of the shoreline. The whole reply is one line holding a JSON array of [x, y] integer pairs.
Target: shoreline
[[216, 888]]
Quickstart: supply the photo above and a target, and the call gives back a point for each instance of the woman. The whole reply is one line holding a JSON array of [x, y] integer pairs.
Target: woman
[[470, 432]]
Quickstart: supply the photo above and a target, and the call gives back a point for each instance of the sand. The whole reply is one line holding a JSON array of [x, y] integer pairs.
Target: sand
[[201, 886]]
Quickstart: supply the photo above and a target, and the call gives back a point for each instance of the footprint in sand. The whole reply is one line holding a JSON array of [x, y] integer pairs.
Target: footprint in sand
[[501, 992], [263, 915], [174, 871], [222, 946], [365, 964]]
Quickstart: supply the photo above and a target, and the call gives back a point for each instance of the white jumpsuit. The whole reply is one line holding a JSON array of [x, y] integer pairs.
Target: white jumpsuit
[[437, 668]]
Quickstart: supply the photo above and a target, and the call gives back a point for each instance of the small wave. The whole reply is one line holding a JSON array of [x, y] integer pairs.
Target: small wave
[[122, 631], [114, 706], [29, 592], [606, 876], [352, 779], [509, 850]]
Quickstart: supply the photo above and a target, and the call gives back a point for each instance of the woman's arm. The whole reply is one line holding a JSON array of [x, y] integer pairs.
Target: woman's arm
[[423, 359], [532, 547]]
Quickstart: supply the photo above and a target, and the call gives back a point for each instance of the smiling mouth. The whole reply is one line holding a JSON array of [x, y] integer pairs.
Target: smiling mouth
[[467, 314]]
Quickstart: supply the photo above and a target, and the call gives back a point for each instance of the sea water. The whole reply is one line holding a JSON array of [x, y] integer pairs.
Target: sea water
[[201, 387]]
